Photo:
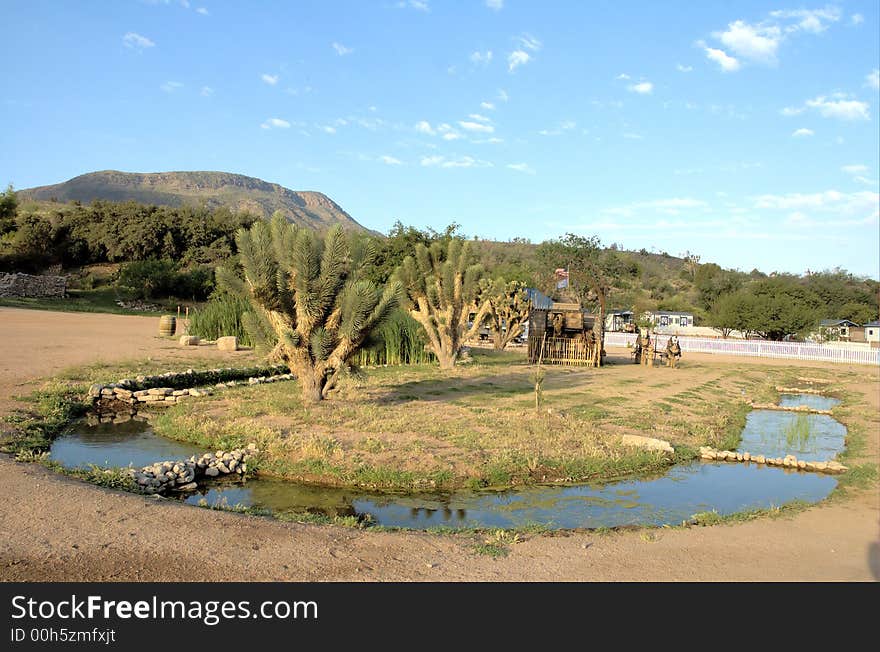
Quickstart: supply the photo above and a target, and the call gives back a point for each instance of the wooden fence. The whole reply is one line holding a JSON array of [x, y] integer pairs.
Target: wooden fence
[[559, 350], [759, 348]]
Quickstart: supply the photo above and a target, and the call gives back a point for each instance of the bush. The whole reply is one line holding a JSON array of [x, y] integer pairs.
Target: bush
[[220, 317], [157, 279], [401, 340]]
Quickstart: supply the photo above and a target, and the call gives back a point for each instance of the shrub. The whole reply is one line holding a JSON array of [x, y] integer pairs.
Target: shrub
[[156, 279], [220, 317]]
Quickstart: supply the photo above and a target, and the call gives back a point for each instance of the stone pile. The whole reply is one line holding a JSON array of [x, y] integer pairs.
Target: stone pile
[[797, 390], [789, 461], [28, 285], [171, 388], [181, 476], [788, 408]]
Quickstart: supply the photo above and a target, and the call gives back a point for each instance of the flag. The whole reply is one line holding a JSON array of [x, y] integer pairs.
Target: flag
[[561, 278]]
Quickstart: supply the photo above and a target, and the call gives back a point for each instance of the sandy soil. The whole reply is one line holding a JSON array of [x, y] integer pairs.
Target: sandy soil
[[53, 528]]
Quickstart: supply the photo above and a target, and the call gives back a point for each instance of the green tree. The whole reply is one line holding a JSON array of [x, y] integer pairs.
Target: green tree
[[8, 210], [508, 309], [442, 283], [309, 298], [739, 311]]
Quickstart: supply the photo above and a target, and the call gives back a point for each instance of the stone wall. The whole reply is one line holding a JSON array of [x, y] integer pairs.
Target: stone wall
[[27, 285]]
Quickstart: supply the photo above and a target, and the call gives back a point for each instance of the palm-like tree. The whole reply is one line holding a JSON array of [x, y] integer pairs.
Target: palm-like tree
[[310, 302]]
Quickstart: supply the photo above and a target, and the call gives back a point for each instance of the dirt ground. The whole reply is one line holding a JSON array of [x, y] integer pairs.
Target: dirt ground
[[53, 528]]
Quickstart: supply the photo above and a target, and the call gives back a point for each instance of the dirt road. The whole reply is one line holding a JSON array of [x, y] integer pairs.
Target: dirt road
[[53, 528]]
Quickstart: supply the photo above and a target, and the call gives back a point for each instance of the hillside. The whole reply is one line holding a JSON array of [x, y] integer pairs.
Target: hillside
[[211, 189]]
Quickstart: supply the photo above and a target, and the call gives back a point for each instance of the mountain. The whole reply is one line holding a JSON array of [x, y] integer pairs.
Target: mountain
[[212, 189]]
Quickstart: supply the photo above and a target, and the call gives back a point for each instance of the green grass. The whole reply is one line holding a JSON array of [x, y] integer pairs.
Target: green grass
[[102, 300], [703, 519]]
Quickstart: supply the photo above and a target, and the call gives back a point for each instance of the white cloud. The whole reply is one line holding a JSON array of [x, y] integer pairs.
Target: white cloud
[[629, 135], [642, 88], [462, 162], [269, 79], [872, 79], [202, 11], [275, 123], [565, 125], [171, 86], [859, 204], [390, 160], [496, 5], [135, 41], [521, 167], [516, 59], [529, 42], [622, 75], [855, 169], [865, 180], [727, 62], [451, 135], [502, 95], [790, 111], [476, 126], [327, 129], [341, 50], [814, 21], [856, 19], [479, 118], [754, 42], [424, 127], [481, 57], [800, 133], [843, 109], [206, 91], [670, 206], [418, 5], [682, 68], [487, 105]]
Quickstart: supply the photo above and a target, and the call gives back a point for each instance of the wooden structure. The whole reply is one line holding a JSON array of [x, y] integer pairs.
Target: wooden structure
[[562, 334]]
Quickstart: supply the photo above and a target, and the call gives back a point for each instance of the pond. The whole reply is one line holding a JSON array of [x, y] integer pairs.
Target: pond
[[670, 498]]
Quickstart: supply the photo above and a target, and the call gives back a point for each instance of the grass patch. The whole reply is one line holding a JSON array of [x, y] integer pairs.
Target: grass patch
[[102, 300]]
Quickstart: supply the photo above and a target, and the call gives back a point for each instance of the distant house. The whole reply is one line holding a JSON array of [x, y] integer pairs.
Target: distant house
[[836, 329], [872, 333], [669, 318], [619, 320]]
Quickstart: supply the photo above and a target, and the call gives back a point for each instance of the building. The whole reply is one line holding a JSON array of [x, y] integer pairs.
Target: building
[[669, 318], [620, 320], [872, 333], [836, 329]]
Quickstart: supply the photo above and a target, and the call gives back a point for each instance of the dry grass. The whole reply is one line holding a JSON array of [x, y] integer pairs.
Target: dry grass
[[413, 426]]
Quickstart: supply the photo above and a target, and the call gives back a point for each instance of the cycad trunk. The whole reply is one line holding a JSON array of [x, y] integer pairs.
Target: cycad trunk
[[311, 384]]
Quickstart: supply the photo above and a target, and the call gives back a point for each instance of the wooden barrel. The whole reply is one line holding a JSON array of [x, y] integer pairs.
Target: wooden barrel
[[167, 325]]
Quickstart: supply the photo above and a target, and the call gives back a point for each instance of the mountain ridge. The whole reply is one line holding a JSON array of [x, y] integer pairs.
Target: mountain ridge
[[213, 189]]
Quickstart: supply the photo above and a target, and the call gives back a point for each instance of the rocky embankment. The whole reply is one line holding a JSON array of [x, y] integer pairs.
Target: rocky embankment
[[182, 475]]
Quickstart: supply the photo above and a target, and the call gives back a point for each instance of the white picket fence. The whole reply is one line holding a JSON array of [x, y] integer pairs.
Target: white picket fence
[[759, 348]]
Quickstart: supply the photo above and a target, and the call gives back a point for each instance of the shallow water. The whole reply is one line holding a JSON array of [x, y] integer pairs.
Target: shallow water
[[110, 445], [810, 400], [670, 498]]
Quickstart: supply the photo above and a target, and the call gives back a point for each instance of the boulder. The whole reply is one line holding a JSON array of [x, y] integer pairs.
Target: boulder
[[189, 340], [229, 343], [760, 459], [191, 486], [211, 472]]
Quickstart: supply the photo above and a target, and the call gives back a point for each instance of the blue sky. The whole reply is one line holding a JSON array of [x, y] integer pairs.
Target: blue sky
[[744, 132]]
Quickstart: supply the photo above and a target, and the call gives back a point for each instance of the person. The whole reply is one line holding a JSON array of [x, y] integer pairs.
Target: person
[[673, 351], [648, 351], [558, 324], [637, 347]]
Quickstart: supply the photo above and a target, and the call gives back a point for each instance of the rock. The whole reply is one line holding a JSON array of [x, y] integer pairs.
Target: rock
[[160, 391], [190, 486], [180, 392], [211, 472], [760, 459], [242, 469], [648, 443], [747, 457], [122, 393], [229, 343], [171, 399], [189, 340], [222, 468], [801, 464], [820, 466], [739, 457], [95, 390]]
